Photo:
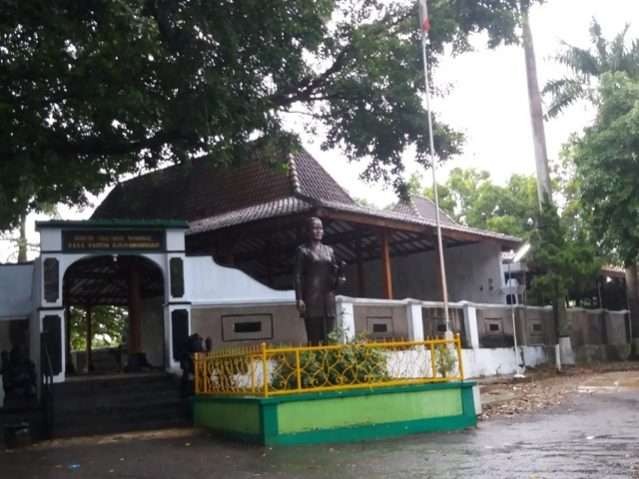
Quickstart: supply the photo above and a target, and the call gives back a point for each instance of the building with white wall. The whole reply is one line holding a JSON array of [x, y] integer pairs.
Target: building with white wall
[[192, 248]]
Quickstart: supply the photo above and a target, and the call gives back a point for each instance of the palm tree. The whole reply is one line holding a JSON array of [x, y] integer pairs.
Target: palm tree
[[586, 65]]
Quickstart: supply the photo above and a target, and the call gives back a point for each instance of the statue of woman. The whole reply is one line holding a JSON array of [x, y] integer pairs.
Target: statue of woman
[[317, 275]]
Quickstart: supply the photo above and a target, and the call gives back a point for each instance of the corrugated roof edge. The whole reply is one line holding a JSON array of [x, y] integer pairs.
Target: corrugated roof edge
[[420, 220], [260, 211], [240, 216]]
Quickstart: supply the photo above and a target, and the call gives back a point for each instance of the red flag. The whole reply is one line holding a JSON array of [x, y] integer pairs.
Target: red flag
[[424, 20]]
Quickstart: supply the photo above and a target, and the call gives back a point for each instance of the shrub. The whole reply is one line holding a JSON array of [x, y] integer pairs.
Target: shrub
[[445, 360], [354, 363]]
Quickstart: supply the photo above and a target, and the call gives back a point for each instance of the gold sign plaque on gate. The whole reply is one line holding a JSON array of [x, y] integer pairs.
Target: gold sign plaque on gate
[[101, 240]]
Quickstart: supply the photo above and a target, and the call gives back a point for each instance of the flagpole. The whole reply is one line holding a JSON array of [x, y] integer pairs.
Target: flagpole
[[425, 24]]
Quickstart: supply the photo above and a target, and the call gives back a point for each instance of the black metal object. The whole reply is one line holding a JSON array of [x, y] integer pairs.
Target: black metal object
[[180, 330], [52, 341], [46, 390], [176, 270], [51, 280]]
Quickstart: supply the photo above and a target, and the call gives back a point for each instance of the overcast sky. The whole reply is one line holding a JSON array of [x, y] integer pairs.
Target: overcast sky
[[487, 101]]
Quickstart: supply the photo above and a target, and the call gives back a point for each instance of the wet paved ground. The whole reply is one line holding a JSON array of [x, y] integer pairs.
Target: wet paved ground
[[595, 435]]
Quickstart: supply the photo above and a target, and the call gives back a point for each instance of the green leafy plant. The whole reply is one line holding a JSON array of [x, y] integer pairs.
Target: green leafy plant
[[108, 326], [445, 360], [355, 363]]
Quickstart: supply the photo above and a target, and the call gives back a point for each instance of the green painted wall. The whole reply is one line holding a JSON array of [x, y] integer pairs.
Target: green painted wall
[[239, 417], [300, 416]]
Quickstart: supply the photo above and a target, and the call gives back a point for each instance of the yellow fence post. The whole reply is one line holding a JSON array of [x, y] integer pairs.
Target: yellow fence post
[[196, 372], [253, 366], [298, 369], [459, 356], [228, 372], [432, 359], [264, 369]]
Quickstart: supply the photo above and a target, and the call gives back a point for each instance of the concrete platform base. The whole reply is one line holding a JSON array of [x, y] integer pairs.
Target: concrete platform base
[[347, 416]]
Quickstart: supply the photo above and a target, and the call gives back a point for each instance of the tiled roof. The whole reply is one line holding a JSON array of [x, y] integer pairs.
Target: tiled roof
[[315, 182], [146, 197], [271, 209], [417, 219], [211, 198], [424, 208], [202, 189]]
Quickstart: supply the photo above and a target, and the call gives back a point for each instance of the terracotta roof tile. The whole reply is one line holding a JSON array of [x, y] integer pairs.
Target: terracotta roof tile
[[315, 182], [201, 189], [211, 198], [271, 209], [417, 219], [424, 208]]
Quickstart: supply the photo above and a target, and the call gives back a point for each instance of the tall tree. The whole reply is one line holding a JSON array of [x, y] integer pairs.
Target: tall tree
[[586, 66], [605, 159], [471, 198], [568, 264], [544, 191], [91, 90]]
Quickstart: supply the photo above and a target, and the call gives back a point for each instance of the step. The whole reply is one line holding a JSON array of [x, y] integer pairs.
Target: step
[[170, 415], [115, 383], [99, 386], [33, 417], [118, 403], [87, 402]]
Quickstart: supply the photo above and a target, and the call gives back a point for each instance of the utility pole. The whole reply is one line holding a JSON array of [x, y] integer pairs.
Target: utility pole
[[424, 21]]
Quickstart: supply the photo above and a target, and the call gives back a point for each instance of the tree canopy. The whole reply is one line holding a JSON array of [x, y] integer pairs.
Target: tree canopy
[[569, 263], [471, 198], [91, 90], [606, 164], [108, 327], [587, 65]]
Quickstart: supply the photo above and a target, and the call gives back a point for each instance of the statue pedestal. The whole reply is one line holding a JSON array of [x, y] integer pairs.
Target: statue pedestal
[[339, 416]]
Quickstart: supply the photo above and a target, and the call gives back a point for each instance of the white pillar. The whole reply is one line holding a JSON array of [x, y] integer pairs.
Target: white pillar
[[414, 319], [470, 324], [346, 317]]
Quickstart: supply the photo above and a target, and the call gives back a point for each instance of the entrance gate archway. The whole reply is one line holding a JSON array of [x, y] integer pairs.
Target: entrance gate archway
[[111, 262], [129, 282]]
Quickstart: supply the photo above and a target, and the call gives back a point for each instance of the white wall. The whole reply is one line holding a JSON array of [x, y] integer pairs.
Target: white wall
[[209, 283], [287, 326], [497, 361], [473, 272]]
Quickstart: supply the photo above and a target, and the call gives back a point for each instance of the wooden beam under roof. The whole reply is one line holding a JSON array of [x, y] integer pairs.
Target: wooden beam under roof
[[387, 275], [399, 225]]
